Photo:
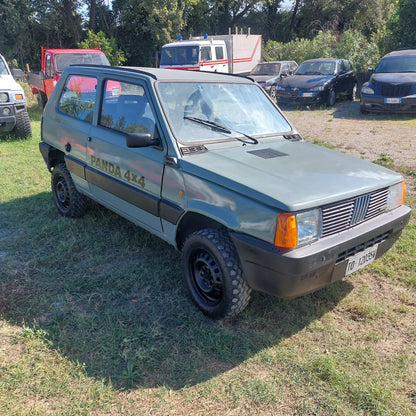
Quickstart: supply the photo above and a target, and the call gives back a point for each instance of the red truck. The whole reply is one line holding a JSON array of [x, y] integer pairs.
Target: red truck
[[54, 61]]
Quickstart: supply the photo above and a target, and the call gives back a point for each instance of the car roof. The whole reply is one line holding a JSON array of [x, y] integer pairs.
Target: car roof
[[401, 52], [160, 74]]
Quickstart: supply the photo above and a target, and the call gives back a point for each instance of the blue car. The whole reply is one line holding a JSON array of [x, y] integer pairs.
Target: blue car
[[392, 85], [318, 81]]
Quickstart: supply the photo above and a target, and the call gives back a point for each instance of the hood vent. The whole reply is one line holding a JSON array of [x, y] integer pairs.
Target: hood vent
[[293, 137], [267, 153], [186, 151]]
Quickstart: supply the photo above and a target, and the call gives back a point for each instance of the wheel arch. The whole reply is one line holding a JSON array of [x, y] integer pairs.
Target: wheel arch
[[194, 221], [51, 155]]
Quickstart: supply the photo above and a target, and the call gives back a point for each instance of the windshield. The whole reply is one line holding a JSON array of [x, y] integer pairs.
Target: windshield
[[3, 67], [236, 109], [397, 64], [316, 68], [179, 55], [62, 60], [265, 69]]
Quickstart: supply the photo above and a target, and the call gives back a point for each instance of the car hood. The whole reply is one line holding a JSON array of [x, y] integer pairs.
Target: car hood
[[305, 81], [289, 176], [7, 82], [396, 78], [263, 78]]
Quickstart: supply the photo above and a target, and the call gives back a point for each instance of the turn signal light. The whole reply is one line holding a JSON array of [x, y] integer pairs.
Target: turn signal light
[[286, 231], [19, 96]]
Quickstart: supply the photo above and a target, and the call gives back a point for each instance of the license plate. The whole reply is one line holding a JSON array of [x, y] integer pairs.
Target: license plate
[[392, 100], [307, 94], [361, 259]]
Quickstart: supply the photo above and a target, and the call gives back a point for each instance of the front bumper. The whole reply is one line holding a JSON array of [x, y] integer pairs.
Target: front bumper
[[8, 122], [293, 273], [302, 97], [380, 104]]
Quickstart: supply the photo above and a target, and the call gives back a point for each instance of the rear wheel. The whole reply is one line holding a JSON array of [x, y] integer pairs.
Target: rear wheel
[[213, 274], [68, 200]]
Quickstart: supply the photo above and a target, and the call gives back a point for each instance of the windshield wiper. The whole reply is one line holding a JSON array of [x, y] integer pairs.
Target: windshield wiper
[[222, 129]]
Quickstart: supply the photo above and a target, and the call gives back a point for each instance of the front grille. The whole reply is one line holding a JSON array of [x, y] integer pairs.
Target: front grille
[[343, 215], [388, 90]]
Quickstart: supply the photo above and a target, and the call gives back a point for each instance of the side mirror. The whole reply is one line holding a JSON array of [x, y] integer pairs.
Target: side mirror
[[141, 140], [17, 73]]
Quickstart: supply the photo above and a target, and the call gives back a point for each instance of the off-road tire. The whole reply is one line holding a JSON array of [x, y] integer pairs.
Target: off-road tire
[[68, 200], [22, 128], [213, 275]]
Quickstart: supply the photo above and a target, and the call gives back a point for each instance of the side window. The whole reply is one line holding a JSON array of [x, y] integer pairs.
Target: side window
[[219, 52], [48, 67], [206, 53], [78, 97], [125, 108], [285, 69]]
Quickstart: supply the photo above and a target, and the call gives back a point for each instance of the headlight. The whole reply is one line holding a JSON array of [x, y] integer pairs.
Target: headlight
[[294, 230], [319, 88], [4, 97], [366, 89], [396, 196]]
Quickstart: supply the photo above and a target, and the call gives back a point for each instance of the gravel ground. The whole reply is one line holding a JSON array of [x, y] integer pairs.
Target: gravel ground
[[387, 138]]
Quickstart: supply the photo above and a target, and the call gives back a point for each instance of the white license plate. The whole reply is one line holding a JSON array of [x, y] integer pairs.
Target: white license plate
[[392, 100], [361, 259], [307, 94]]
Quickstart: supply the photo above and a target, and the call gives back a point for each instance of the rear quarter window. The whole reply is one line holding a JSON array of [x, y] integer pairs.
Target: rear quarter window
[[78, 97]]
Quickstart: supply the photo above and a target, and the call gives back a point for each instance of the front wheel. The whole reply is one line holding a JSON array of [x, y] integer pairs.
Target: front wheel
[[213, 274], [331, 98], [273, 92], [22, 128], [68, 200]]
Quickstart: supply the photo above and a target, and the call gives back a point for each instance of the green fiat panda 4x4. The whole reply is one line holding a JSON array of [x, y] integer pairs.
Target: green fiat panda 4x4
[[208, 163]]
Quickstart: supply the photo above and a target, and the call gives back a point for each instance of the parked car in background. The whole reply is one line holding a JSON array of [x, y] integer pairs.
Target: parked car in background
[[392, 85], [268, 74], [318, 81], [13, 112]]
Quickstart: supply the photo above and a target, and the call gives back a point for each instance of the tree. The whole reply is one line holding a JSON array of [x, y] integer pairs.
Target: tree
[[401, 27], [108, 46], [144, 26]]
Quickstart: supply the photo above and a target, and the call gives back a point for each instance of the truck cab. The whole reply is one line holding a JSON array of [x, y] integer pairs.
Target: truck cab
[[196, 55], [232, 53], [54, 61]]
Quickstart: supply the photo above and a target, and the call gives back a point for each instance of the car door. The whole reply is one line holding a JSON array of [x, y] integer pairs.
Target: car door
[[126, 179], [343, 78]]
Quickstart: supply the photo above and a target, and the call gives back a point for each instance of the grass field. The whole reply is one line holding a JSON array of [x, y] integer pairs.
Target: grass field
[[94, 320]]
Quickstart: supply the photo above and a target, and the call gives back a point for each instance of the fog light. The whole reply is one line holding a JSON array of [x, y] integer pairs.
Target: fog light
[[6, 111]]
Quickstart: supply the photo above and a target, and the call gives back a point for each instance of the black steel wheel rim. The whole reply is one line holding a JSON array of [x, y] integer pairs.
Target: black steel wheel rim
[[62, 194], [206, 277]]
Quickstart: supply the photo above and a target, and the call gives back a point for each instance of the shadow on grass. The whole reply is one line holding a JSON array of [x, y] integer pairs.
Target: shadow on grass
[[110, 295]]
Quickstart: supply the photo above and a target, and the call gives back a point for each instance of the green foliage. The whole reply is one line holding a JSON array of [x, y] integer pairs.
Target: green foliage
[[350, 45], [108, 46], [401, 27]]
